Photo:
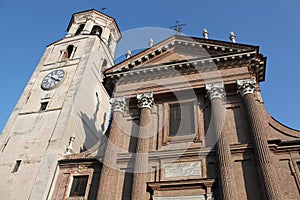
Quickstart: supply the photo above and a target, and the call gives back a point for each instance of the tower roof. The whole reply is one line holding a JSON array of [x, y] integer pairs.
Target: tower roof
[[93, 12]]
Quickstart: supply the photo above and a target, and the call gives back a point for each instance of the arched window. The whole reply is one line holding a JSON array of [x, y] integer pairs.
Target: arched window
[[68, 52], [80, 29], [97, 30]]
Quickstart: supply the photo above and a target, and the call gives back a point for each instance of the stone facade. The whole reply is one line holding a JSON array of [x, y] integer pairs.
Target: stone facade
[[188, 122], [39, 129]]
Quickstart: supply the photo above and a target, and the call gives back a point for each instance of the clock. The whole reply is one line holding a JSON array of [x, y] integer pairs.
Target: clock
[[53, 79]]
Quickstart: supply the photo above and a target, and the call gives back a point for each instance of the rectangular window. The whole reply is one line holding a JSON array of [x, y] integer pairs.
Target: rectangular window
[[43, 106], [298, 164], [181, 120], [17, 166], [79, 186]]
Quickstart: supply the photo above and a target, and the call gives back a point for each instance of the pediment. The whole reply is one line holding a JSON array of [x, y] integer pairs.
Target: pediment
[[180, 48]]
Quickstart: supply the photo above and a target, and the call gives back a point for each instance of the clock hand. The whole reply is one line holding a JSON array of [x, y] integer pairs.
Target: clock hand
[[54, 78]]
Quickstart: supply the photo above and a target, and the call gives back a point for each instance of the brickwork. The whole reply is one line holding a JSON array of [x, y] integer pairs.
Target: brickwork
[[235, 150], [110, 170], [141, 156]]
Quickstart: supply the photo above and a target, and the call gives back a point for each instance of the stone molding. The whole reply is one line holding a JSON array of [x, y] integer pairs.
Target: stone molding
[[246, 86], [215, 90], [145, 100], [118, 104]]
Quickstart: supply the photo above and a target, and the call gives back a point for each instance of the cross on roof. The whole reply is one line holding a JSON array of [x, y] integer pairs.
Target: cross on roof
[[178, 27], [103, 9]]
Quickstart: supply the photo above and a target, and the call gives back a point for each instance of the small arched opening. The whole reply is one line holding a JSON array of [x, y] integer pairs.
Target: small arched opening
[[80, 29], [68, 52], [97, 30]]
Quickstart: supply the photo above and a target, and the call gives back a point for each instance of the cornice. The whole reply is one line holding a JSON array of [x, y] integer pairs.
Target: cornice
[[197, 65], [185, 41]]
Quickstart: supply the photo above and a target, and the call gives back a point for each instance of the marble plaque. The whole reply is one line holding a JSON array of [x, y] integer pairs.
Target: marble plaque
[[182, 169]]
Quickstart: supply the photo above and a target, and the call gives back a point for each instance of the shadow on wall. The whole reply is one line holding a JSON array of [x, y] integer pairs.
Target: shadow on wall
[[92, 133]]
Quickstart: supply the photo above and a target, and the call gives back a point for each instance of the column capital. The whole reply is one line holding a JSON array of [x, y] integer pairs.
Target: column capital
[[118, 104], [215, 90], [145, 100], [246, 86]]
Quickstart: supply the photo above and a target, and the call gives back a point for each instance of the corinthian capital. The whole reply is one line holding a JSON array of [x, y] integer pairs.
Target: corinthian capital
[[145, 100], [117, 104], [246, 86], [215, 90]]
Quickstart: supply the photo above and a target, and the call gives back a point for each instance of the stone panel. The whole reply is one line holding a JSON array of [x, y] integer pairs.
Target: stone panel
[[182, 169]]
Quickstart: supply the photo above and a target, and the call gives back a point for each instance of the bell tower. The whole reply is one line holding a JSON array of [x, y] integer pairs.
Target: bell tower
[[63, 109]]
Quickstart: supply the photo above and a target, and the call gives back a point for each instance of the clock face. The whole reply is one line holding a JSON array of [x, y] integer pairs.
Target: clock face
[[53, 79]]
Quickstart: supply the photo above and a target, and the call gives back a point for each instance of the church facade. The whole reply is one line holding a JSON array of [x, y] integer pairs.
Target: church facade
[[182, 119]]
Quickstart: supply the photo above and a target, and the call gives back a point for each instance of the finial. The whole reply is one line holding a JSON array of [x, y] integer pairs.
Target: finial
[[69, 148], [151, 42], [205, 34], [128, 54], [232, 37]]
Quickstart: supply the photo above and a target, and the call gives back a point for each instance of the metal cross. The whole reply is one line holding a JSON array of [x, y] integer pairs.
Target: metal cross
[[103, 9], [178, 27]]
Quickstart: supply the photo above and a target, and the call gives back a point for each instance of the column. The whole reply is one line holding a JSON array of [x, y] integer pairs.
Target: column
[[259, 131], [218, 113], [110, 170], [145, 102]]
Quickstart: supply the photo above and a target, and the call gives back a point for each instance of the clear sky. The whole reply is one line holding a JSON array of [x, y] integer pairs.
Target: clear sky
[[27, 27]]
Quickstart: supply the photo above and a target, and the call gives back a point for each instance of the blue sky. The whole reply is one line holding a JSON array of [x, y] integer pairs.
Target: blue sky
[[27, 27]]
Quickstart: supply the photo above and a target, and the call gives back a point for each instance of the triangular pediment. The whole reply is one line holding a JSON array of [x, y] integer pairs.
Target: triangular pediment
[[181, 48], [189, 55]]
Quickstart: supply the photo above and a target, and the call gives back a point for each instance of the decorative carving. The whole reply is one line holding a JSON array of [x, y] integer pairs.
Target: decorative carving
[[205, 34], [82, 169], [117, 104], [182, 169], [246, 86], [69, 148], [145, 100], [215, 90]]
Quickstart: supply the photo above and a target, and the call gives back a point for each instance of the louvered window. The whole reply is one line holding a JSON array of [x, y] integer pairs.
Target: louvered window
[[79, 186]]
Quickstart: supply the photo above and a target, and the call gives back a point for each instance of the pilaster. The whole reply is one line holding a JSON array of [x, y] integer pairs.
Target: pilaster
[[88, 26], [105, 35]]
